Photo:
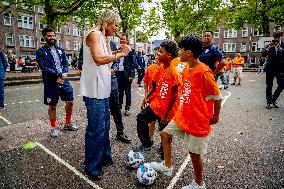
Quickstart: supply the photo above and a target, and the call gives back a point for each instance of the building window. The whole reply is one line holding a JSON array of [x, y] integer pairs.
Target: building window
[[216, 33], [277, 28], [9, 39], [243, 47], [229, 47], [41, 26], [257, 32], [58, 28], [7, 19], [58, 43], [253, 60], [40, 9], [68, 30], [68, 45], [76, 45], [27, 41], [230, 33], [25, 22], [76, 31], [245, 32], [254, 47]]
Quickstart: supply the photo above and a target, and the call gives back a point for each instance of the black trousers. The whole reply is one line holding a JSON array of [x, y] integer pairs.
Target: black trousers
[[141, 73], [115, 111], [124, 86], [145, 117], [269, 84]]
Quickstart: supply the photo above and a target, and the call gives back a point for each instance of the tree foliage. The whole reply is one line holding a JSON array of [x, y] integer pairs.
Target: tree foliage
[[130, 12], [257, 12], [54, 9], [184, 16]]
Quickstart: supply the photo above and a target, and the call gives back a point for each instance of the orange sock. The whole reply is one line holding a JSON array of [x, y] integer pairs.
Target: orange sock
[[68, 118], [53, 122]]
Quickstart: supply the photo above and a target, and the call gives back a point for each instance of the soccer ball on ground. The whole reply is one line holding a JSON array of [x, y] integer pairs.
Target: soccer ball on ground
[[134, 159], [146, 174]]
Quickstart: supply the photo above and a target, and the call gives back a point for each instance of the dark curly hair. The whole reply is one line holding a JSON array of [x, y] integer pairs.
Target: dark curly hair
[[170, 47], [45, 30], [193, 43]]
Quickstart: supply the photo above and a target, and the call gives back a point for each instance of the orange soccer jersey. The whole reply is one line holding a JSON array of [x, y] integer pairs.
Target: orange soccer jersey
[[198, 87], [149, 75], [238, 62], [228, 64], [165, 79]]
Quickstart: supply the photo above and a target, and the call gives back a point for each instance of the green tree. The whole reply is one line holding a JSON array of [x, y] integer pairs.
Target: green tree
[[141, 37], [130, 12], [53, 9], [183, 16], [257, 12]]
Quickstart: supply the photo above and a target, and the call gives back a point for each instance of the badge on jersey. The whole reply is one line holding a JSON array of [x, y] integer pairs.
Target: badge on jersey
[[206, 50]]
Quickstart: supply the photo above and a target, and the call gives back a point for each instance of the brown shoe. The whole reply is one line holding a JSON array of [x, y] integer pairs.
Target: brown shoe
[[126, 113]]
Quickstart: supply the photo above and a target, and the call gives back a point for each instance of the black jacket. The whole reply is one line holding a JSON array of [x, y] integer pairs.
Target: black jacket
[[275, 59]]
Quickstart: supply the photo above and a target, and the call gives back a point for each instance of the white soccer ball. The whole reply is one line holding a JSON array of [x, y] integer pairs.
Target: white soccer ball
[[146, 174], [134, 159]]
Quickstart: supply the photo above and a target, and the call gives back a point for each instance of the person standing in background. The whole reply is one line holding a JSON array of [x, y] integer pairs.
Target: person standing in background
[[140, 65], [53, 63], [274, 68], [238, 64], [125, 75], [3, 67]]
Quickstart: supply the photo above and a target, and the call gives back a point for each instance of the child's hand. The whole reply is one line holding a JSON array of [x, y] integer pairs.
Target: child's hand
[[164, 118], [144, 104]]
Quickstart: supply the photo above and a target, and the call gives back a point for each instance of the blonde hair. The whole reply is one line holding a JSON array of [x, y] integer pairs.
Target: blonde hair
[[106, 18]]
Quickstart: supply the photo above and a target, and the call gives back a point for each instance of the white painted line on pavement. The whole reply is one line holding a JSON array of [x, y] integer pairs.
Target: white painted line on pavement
[[20, 102], [184, 164], [4, 119], [68, 166], [225, 98]]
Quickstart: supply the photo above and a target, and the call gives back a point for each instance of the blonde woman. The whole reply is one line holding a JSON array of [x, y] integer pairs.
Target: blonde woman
[[96, 88]]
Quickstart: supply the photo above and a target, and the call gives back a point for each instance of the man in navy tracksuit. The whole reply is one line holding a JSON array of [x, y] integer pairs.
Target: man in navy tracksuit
[[54, 66]]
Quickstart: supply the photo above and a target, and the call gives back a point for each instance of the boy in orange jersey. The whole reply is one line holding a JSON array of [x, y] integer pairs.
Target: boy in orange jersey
[[166, 102], [228, 70], [238, 64], [193, 119], [148, 78]]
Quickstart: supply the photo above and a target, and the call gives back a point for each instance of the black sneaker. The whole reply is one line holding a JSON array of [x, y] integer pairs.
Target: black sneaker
[[2, 108], [238, 84], [123, 138], [95, 178], [233, 84], [268, 106], [275, 105]]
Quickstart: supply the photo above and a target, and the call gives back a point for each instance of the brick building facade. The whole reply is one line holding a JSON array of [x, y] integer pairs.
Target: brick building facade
[[244, 40], [22, 34]]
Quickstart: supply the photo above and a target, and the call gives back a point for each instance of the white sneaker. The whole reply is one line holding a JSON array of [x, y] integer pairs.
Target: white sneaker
[[53, 133], [194, 185], [160, 167]]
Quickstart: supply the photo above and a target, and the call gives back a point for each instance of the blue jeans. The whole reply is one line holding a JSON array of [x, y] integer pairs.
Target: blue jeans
[[2, 92], [97, 144]]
